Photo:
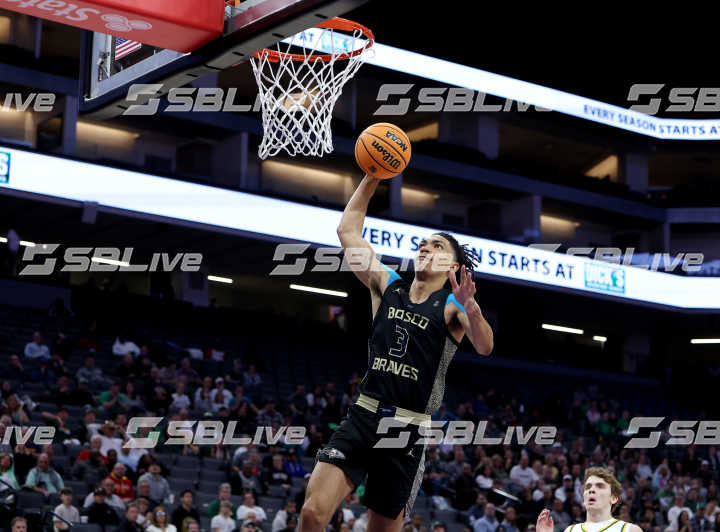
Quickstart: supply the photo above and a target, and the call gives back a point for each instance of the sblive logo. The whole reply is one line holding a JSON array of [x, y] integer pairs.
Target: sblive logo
[[440, 99], [185, 99], [679, 432], [207, 432], [682, 99], [106, 260], [606, 278], [4, 167], [73, 13]]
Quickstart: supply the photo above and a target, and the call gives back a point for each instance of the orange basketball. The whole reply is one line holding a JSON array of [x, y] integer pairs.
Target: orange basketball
[[383, 150]]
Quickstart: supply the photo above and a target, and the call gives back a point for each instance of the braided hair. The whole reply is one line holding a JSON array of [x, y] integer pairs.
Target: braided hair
[[464, 254]]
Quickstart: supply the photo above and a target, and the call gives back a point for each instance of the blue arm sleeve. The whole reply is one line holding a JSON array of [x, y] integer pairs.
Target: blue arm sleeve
[[451, 299], [394, 276]]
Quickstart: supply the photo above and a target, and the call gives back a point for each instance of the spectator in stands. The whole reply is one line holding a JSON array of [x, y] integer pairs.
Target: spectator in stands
[[561, 517], [168, 375], [676, 509], [509, 522], [268, 416], [92, 469], [127, 368], [298, 404], [223, 522], [522, 474], [249, 506], [14, 408], [24, 458], [108, 435], [37, 350], [192, 377], [130, 521], [144, 513], [698, 522], [487, 523], [252, 382], [65, 510], [186, 512], [112, 401], [100, 512], [180, 400], [292, 524], [91, 374], [123, 346], [80, 396], [160, 521], [280, 522], [566, 491], [465, 488], [202, 399], [435, 475], [144, 493], [220, 396], [122, 486], [18, 524], [223, 495], [15, 370], [455, 468], [236, 375], [293, 466], [43, 374], [277, 475], [7, 473], [246, 479], [158, 402], [159, 487], [63, 430], [477, 510], [43, 478], [484, 479]]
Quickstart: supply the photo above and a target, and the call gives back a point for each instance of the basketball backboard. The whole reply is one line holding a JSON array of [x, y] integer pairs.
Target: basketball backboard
[[114, 64]]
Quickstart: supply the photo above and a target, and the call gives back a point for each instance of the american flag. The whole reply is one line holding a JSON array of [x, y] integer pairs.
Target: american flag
[[124, 47]]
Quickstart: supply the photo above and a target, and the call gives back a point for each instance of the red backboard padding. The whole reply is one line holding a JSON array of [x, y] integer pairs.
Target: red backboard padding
[[181, 25]]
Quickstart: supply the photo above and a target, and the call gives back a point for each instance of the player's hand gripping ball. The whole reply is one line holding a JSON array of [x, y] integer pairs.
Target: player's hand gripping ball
[[383, 151]]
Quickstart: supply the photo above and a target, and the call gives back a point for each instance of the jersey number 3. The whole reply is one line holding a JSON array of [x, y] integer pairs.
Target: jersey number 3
[[401, 342]]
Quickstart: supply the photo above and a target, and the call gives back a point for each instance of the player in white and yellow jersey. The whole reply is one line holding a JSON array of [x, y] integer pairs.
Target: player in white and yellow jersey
[[601, 495]]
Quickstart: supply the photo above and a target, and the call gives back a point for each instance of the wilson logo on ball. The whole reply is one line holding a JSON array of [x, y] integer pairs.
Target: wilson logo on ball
[[397, 140], [387, 157]]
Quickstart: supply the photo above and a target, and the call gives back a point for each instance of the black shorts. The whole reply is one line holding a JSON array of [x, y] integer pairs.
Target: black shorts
[[392, 477]]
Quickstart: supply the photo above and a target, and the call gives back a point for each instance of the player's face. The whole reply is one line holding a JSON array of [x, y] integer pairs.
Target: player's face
[[597, 494], [434, 255]]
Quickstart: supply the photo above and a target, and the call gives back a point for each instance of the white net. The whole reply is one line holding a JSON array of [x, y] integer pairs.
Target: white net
[[300, 81]]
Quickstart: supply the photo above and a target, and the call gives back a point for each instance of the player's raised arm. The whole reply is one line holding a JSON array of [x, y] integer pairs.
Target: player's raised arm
[[360, 256]]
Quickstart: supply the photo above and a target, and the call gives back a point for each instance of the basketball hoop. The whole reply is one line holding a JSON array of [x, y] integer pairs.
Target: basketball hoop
[[300, 81]]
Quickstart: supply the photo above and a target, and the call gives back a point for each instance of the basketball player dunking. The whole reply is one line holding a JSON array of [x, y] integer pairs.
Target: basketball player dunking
[[601, 493], [415, 331]]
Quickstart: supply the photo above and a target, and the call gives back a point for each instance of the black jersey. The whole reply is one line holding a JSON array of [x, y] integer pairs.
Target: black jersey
[[410, 349]]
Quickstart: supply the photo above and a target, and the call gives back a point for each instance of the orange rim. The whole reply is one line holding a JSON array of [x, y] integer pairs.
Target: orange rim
[[336, 23]]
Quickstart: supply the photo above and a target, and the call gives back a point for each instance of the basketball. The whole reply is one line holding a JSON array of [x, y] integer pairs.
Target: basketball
[[383, 150]]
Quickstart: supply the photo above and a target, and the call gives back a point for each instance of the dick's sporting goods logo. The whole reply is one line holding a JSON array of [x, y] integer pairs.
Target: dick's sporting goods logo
[[605, 278]]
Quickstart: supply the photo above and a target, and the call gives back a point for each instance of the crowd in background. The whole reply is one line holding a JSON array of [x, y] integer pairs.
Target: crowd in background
[[487, 488]]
